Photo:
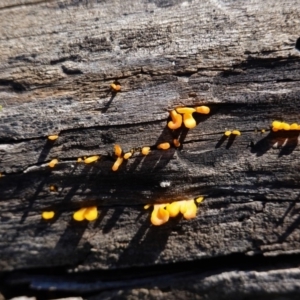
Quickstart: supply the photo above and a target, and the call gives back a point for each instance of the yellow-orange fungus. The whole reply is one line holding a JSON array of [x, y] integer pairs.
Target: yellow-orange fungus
[[183, 206], [203, 110], [164, 146], [52, 163], [189, 121], [176, 120], [199, 199], [47, 215], [227, 133], [79, 214], [127, 155], [173, 208], [294, 126], [185, 110], [53, 188], [176, 143], [191, 210], [145, 150], [263, 131], [159, 215], [236, 132], [275, 129], [147, 206], [286, 126], [91, 159], [91, 213], [79, 159], [118, 150], [276, 124], [52, 137], [115, 87], [280, 126], [117, 163]]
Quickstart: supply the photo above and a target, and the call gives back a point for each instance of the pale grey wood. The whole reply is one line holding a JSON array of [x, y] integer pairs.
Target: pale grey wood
[[57, 60]]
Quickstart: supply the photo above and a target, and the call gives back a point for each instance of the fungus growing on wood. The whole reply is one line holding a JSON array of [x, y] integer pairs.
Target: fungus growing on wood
[[52, 163], [164, 146], [91, 159], [91, 213], [188, 120], [127, 155], [79, 159], [52, 188], [47, 215], [115, 87], [176, 120], [173, 208], [117, 163], [118, 150], [145, 150], [227, 133], [189, 209], [236, 132], [159, 215], [294, 126], [52, 137], [176, 143], [203, 110]]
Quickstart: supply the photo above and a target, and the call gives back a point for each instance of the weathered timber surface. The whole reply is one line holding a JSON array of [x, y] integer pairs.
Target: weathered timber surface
[[57, 60]]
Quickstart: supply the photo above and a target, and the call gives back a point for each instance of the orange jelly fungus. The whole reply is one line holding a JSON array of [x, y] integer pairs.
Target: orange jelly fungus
[[115, 87], [173, 208], [145, 150], [203, 110], [159, 215], [236, 132], [127, 155], [88, 213], [47, 215], [117, 163], [176, 120], [189, 209], [164, 146], [91, 159], [227, 133], [176, 143], [52, 137], [79, 159], [185, 110], [286, 126], [52, 163], [189, 121], [294, 126], [118, 150], [53, 188]]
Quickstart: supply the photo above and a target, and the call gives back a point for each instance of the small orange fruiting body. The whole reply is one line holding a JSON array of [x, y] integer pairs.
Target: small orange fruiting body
[[286, 126], [117, 163], [203, 110], [227, 133], [236, 132], [91, 159], [159, 215], [176, 143], [91, 213], [118, 150], [115, 87], [276, 124], [52, 137], [294, 126], [47, 215], [173, 208], [79, 159], [52, 163], [176, 120], [164, 146], [127, 155], [190, 210], [185, 110], [88, 213], [145, 150], [53, 188], [189, 121]]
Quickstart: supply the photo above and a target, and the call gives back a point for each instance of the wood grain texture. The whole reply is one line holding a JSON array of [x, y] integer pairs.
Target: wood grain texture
[[57, 61]]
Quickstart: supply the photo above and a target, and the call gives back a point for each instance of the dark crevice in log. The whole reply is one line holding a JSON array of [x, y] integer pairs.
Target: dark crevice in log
[[57, 282]]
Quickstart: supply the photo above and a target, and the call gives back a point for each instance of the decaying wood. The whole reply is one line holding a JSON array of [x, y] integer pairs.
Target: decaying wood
[[57, 61]]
